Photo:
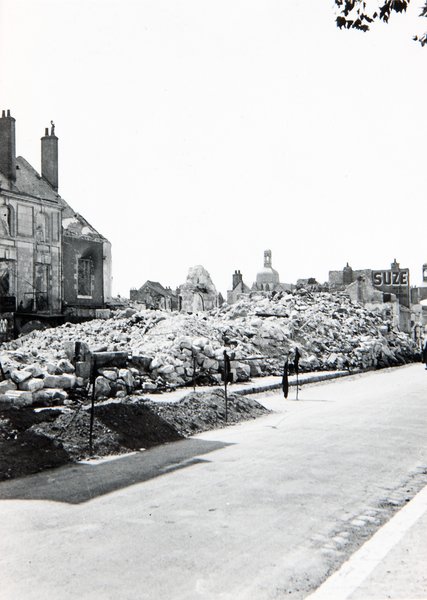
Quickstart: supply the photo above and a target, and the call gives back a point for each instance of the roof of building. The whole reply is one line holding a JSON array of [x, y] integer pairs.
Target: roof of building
[[74, 224], [157, 287], [30, 183]]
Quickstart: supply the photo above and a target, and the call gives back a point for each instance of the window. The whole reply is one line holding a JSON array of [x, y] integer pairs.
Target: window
[[25, 220], [55, 227], [4, 279], [42, 229], [85, 278]]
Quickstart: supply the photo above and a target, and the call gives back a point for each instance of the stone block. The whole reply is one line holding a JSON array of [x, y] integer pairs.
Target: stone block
[[70, 351], [16, 398], [185, 344], [47, 397], [6, 386], [156, 363], [149, 386], [210, 364], [64, 381], [65, 366], [110, 374], [35, 370], [127, 377], [243, 372], [102, 387], [18, 376], [208, 351], [32, 385], [166, 369]]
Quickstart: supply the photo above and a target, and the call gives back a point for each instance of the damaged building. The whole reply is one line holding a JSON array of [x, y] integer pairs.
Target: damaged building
[[387, 290], [153, 295], [54, 266]]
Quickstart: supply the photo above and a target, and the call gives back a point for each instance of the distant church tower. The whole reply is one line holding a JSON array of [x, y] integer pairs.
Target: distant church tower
[[268, 278]]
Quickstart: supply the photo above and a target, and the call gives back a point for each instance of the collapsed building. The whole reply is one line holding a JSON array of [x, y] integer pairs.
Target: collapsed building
[[54, 265], [197, 294], [153, 295]]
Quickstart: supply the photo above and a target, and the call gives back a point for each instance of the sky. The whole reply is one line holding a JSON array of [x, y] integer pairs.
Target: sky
[[205, 132]]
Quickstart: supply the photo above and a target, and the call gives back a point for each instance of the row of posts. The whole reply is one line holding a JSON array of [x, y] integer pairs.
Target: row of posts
[[107, 358]]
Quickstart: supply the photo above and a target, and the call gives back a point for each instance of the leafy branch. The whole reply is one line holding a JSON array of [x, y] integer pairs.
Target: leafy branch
[[360, 14]]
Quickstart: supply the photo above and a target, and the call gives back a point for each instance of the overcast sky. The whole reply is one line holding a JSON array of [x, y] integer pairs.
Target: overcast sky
[[198, 132]]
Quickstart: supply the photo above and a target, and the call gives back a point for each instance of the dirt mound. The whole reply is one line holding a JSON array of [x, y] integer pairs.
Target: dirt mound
[[33, 440]]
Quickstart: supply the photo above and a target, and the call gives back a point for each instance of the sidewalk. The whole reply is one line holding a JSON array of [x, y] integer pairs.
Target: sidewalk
[[255, 386], [391, 565]]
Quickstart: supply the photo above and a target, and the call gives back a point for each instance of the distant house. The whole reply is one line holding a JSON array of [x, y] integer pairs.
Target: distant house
[[153, 295], [53, 265], [239, 288]]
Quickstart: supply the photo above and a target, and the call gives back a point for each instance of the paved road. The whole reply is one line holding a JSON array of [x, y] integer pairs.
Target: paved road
[[259, 511]]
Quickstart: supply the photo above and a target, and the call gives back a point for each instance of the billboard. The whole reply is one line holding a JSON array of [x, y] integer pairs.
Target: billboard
[[391, 278]]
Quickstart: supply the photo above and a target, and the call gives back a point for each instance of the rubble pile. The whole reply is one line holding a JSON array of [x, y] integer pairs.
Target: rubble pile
[[166, 350]]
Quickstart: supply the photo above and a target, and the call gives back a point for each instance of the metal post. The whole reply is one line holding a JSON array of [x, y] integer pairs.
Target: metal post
[[92, 408], [194, 370], [226, 380], [297, 387]]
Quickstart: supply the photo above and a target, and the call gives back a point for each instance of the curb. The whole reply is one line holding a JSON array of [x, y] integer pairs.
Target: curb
[[302, 380], [351, 575]]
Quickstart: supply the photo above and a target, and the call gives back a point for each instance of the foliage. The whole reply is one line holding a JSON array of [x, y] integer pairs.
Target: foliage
[[360, 14]]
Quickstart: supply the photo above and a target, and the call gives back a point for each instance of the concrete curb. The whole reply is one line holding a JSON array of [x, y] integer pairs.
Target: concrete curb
[[301, 381], [341, 584]]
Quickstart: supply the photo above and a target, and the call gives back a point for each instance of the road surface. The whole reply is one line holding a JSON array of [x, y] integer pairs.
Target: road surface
[[258, 511]]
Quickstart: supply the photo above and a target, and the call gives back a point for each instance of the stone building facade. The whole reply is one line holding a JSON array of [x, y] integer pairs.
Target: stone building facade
[[40, 263]]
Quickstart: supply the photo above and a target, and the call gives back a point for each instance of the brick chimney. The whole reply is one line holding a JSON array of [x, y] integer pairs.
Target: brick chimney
[[50, 157], [237, 278], [7, 146]]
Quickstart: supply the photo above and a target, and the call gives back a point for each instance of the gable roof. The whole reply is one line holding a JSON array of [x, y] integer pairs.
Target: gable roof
[[156, 287], [30, 183]]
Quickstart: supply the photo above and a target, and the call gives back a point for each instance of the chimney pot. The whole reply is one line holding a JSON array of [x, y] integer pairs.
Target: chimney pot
[[7, 146], [50, 159], [46, 131], [3, 114]]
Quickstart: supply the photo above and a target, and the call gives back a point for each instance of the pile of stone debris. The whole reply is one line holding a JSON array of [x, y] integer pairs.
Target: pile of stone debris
[[166, 350]]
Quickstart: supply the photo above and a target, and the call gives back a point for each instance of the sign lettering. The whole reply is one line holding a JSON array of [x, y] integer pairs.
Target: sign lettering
[[391, 278]]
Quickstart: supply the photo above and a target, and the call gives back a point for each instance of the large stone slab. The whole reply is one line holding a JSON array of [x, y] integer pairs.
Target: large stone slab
[[32, 385], [64, 382], [16, 399]]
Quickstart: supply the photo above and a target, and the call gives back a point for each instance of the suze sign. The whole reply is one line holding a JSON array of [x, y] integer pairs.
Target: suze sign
[[391, 277]]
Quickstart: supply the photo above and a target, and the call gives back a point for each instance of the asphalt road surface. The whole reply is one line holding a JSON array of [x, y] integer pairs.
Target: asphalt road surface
[[258, 511]]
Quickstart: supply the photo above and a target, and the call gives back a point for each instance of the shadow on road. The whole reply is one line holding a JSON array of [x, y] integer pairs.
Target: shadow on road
[[80, 482]]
